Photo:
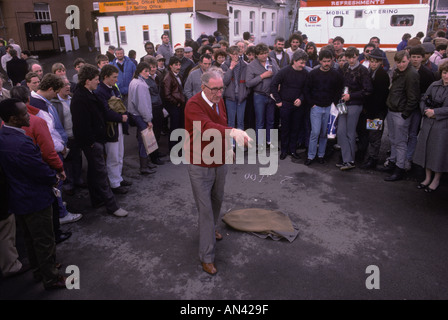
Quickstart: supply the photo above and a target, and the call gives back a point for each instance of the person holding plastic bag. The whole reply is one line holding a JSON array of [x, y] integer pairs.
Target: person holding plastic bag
[[140, 107]]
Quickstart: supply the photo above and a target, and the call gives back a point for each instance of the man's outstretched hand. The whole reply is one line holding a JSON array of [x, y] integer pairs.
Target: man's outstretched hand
[[241, 137]]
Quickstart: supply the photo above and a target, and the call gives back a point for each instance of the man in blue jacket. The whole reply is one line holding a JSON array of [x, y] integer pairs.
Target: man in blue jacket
[[126, 69], [30, 181]]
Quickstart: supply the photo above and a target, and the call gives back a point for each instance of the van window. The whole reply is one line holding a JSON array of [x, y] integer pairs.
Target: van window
[[338, 21], [404, 20]]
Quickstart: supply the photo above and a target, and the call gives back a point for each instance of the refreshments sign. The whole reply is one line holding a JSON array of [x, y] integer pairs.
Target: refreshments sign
[[338, 3]]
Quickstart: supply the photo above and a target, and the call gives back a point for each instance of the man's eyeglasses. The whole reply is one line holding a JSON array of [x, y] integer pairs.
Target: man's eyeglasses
[[367, 51], [214, 90]]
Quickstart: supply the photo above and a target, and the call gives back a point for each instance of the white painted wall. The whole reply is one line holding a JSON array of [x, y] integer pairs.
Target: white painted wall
[[266, 37], [203, 24]]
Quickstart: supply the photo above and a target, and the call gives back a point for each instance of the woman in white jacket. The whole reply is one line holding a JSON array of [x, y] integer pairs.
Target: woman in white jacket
[[140, 108]]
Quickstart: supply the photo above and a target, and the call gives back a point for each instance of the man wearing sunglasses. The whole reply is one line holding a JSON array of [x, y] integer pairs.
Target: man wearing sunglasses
[[364, 56]]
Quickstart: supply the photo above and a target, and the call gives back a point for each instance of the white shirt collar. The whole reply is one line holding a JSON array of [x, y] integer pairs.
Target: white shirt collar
[[206, 100], [62, 99], [15, 128]]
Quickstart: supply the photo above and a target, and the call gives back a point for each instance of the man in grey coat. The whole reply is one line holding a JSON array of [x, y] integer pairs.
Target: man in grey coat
[[165, 48], [236, 91], [193, 83], [259, 74]]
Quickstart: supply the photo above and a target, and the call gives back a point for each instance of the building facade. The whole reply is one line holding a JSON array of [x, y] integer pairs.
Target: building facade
[[43, 25], [25, 20]]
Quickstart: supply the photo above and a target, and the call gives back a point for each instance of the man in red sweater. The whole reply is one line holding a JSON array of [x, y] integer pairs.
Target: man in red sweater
[[204, 111], [39, 132]]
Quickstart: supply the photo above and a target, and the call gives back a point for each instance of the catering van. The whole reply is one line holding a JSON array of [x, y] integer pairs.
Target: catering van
[[356, 21]]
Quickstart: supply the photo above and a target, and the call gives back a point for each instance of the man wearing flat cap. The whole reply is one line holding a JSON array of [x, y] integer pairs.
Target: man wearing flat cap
[[429, 50], [161, 69], [165, 48], [374, 108]]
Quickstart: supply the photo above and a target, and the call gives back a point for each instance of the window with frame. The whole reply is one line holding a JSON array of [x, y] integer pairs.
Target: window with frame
[[123, 37], [145, 33], [188, 35], [402, 20], [263, 22], [42, 11], [338, 21], [106, 37], [274, 22], [237, 22], [252, 22]]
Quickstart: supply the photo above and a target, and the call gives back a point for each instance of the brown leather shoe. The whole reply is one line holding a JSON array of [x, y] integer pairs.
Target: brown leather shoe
[[58, 284], [218, 236], [209, 268]]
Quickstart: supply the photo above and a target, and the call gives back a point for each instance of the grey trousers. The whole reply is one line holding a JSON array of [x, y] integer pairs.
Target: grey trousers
[[398, 136], [9, 257], [415, 122], [346, 133], [208, 191]]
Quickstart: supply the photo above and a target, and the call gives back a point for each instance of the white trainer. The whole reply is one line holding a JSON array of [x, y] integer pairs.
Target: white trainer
[[70, 217], [120, 213]]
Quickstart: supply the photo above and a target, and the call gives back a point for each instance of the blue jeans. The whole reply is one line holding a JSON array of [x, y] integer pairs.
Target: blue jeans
[[235, 109], [319, 120], [264, 116]]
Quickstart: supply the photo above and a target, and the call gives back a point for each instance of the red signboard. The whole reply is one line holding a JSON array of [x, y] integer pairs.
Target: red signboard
[[313, 18]]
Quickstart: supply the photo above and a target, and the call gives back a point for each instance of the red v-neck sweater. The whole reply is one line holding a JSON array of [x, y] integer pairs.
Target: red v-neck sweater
[[197, 109]]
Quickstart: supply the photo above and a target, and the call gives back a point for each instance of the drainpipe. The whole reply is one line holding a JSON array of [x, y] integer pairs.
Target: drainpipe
[[116, 29], [169, 23]]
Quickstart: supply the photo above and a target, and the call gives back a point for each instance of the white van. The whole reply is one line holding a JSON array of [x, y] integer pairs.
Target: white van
[[356, 21]]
